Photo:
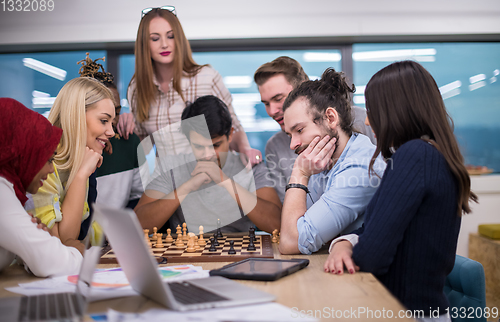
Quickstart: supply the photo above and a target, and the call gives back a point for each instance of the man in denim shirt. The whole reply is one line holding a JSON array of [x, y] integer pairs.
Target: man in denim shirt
[[331, 167]]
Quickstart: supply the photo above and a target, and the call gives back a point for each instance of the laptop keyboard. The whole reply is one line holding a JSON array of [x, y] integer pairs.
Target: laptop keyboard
[[186, 293], [49, 307]]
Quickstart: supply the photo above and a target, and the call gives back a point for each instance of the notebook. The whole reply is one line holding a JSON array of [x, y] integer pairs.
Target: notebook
[[125, 235], [55, 307]]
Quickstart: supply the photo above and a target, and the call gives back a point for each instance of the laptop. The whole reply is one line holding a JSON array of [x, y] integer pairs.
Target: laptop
[[58, 306], [125, 235]]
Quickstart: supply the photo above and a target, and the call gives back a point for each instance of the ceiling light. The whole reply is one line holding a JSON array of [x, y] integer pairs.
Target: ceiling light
[[477, 85], [360, 89], [449, 87], [238, 81], [359, 99], [44, 68], [425, 55], [43, 102], [40, 94], [321, 57], [477, 78], [453, 92]]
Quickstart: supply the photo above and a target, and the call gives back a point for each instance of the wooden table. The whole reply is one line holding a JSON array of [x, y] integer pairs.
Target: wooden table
[[310, 290]]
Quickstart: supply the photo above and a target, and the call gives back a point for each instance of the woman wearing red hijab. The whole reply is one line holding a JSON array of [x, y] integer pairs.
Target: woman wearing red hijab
[[27, 145]]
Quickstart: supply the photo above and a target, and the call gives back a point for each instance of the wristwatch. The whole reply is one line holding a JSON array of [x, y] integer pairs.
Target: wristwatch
[[296, 185]]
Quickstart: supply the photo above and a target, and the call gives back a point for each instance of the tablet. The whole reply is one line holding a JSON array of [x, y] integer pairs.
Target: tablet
[[260, 269]]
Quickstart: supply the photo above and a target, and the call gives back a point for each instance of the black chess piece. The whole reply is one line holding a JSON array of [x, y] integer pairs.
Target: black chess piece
[[231, 248], [212, 245], [219, 234], [216, 242], [251, 246], [251, 234]]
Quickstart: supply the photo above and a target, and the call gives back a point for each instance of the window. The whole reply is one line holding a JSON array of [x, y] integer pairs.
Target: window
[[467, 74], [35, 79], [468, 77]]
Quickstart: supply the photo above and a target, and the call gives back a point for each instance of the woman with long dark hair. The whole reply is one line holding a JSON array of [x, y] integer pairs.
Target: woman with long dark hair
[[411, 227]]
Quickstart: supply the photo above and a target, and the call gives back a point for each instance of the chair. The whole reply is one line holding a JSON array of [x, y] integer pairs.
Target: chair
[[465, 288]]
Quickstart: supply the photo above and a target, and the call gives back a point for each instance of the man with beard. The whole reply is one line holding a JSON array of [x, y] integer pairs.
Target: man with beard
[[331, 166], [275, 80], [210, 184]]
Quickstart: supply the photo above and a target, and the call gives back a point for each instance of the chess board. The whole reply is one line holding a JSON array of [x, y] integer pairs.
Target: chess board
[[170, 253]]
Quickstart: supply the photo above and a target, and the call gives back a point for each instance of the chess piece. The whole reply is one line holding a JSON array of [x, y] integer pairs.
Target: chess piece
[[190, 244], [251, 246], [155, 231], [184, 232], [212, 245], [201, 241], [251, 234], [146, 237], [216, 242], [196, 245], [178, 231], [159, 242], [169, 238], [275, 236], [231, 248], [219, 232], [179, 242]]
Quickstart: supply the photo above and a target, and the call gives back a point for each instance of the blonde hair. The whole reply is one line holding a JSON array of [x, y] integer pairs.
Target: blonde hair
[[145, 92], [68, 113]]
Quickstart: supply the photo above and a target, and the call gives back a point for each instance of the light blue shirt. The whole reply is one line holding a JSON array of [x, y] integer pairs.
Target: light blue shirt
[[340, 195]]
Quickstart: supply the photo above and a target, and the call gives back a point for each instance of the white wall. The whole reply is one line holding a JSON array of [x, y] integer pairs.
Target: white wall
[[81, 21], [487, 211]]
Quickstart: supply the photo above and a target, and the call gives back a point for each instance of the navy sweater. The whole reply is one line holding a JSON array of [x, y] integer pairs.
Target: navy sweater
[[411, 228]]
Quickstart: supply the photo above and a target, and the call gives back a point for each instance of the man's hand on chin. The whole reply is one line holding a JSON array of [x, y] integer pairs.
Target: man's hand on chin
[[316, 157]]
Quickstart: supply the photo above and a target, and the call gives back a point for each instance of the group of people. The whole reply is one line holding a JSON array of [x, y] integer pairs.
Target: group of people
[[384, 187]]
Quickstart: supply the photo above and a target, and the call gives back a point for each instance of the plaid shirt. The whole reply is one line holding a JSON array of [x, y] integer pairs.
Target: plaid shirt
[[46, 204], [166, 114]]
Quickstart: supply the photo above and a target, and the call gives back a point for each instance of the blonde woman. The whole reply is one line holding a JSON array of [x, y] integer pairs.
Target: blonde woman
[[84, 110], [166, 78]]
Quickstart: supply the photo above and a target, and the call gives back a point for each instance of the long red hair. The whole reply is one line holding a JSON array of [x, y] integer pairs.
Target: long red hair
[[146, 93]]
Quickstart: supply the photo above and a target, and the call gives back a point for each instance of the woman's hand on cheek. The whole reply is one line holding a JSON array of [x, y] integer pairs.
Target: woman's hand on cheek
[[91, 161]]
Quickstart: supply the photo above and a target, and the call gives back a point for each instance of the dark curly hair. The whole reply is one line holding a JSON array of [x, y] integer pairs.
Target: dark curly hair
[[217, 117], [91, 68], [331, 90]]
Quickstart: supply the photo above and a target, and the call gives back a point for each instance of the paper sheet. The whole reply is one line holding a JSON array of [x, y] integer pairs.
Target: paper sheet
[[107, 283], [272, 312]]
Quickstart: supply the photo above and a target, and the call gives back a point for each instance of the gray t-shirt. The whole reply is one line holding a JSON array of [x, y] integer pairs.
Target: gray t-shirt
[[280, 158], [358, 124], [210, 202]]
